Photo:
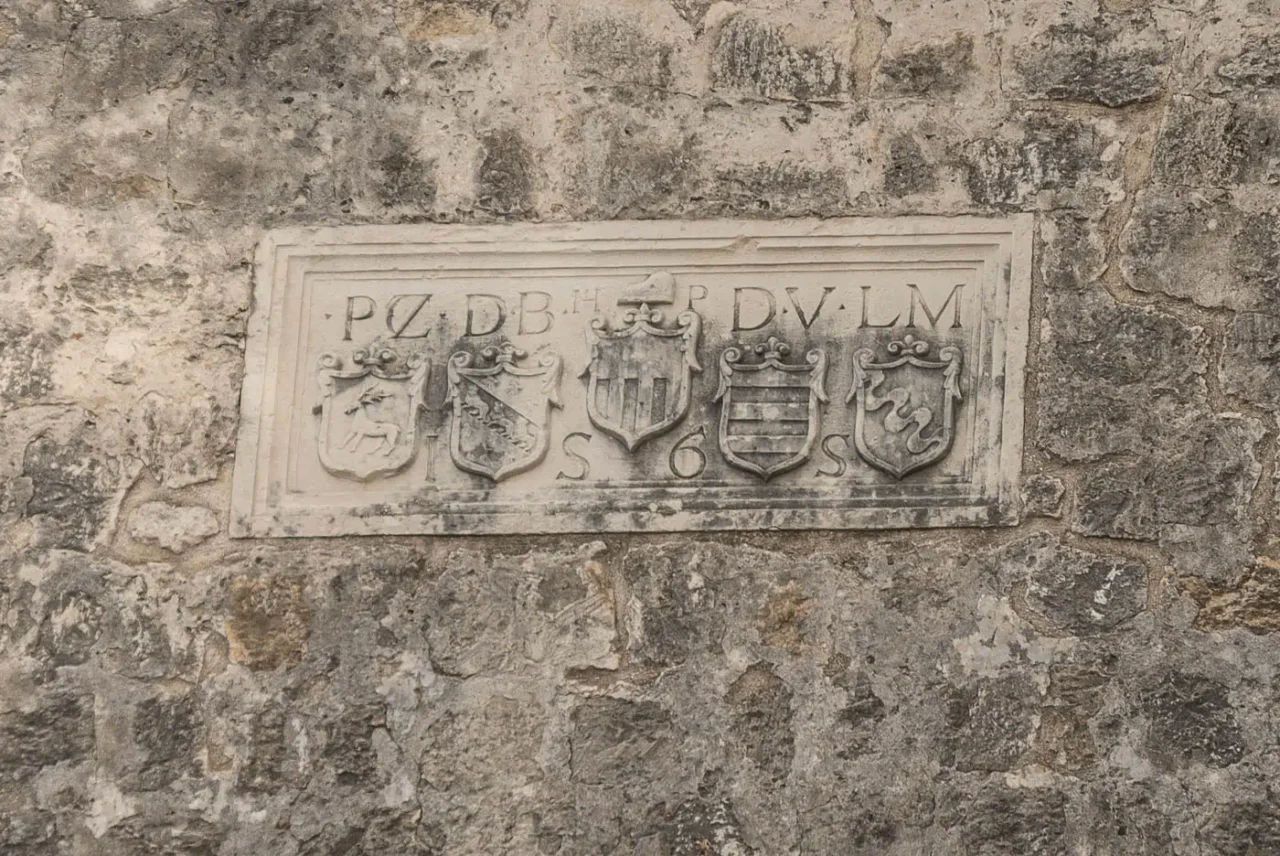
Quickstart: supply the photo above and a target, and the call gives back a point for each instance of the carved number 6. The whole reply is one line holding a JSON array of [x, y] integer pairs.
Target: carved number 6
[[700, 434]]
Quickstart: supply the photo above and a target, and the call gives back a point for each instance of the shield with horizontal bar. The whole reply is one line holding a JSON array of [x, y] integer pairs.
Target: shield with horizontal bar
[[369, 412], [501, 411], [640, 376], [905, 407], [770, 411]]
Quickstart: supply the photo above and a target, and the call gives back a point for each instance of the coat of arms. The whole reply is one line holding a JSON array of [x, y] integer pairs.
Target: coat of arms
[[501, 412], [641, 375], [905, 407], [369, 412], [770, 411]]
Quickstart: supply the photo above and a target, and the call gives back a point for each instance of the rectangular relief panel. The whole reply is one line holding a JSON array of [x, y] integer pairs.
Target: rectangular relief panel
[[654, 376]]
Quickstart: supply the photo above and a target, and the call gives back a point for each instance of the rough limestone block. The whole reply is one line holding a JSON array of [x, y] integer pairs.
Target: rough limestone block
[[173, 527]]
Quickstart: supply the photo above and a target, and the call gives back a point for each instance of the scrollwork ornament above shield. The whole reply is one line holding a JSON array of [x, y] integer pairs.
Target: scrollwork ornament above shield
[[905, 406], [368, 413]]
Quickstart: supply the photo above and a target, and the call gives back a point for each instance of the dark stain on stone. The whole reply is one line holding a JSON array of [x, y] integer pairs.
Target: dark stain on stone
[[503, 183], [1001, 821], [754, 57], [58, 728], [680, 620], [402, 179], [761, 729], [1257, 65], [349, 744], [935, 68], [1192, 721], [992, 721], [1250, 363], [702, 827], [618, 51], [1104, 63], [71, 490], [1203, 478], [783, 189], [642, 178], [26, 359], [168, 730], [616, 742], [1243, 827], [72, 625], [907, 170], [1053, 154], [269, 621]]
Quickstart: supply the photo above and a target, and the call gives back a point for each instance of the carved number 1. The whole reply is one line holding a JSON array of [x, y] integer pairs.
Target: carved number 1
[[700, 434]]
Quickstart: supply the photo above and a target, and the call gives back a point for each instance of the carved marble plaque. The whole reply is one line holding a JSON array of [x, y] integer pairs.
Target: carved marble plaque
[[635, 376]]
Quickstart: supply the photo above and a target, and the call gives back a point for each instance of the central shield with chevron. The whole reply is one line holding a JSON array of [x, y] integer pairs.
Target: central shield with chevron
[[770, 411]]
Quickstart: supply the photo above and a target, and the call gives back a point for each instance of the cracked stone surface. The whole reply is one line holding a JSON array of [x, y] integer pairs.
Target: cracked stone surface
[[1098, 680]]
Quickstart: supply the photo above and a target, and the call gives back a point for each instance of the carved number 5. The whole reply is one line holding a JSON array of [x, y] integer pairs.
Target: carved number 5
[[700, 434]]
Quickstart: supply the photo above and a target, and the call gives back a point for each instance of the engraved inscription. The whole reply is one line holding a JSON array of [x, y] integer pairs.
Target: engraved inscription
[[544, 378]]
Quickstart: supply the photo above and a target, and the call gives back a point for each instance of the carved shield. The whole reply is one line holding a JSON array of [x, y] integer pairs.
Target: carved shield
[[770, 411], [501, 412], [905, 407], [641, 376], [369, 412]]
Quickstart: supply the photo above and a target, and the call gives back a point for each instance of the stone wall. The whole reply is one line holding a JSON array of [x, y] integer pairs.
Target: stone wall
[[1099, 680]]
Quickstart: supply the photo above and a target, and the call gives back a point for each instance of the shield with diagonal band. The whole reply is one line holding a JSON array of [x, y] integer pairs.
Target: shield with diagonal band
[[640, 377], [369, 412], [770, 411], [501, 412], [905, 406]]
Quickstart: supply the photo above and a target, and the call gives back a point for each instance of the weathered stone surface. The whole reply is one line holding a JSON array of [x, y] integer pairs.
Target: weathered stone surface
[[938, 67], [1207, 250], [907, 170], [1192, 721], [504, 184], [1116, 378], [890, 693], [1253, 603], [1207, 479], [755, 57], [993, 722], [1250, 353], [1111, 61], [1038, 160], [26, 359], [618, 50], [269, 621], [1074, 592], [1212, 142], [1255, 65], [50, 728], [1001, 820], [1042, 496], [761, 729], [72, 487], [175, 528]]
